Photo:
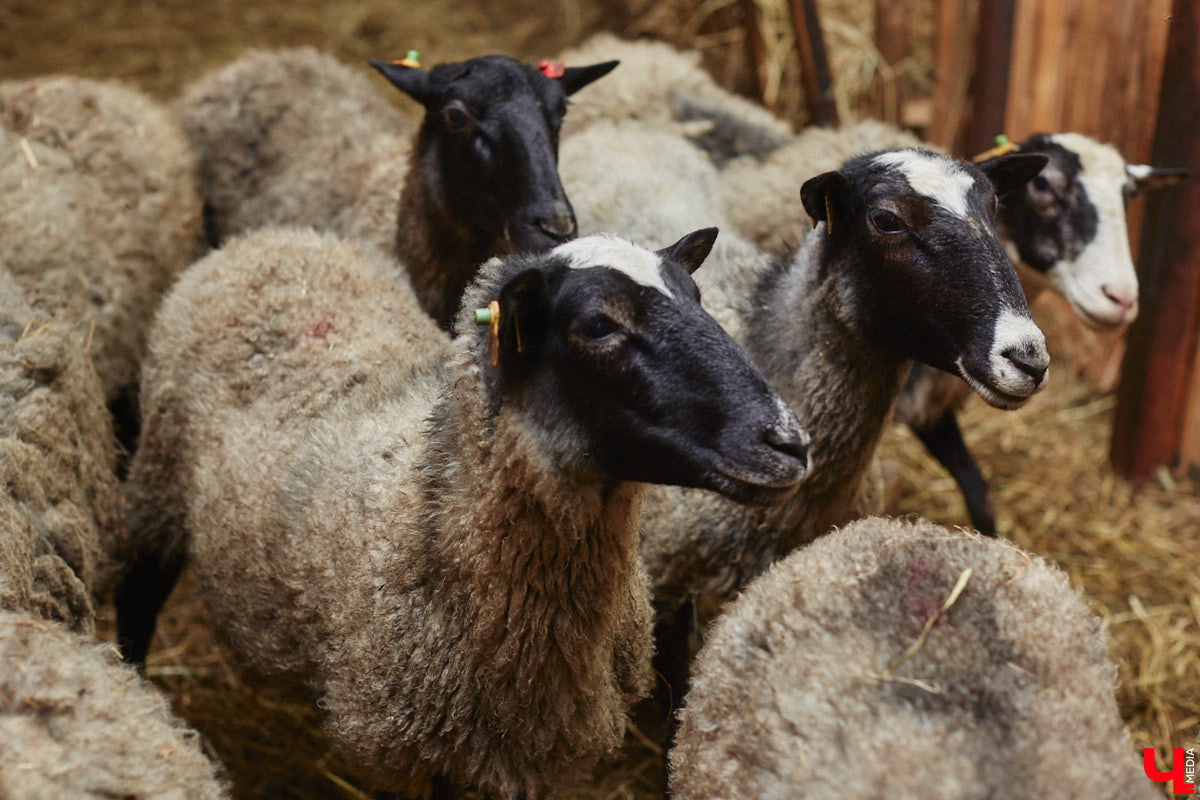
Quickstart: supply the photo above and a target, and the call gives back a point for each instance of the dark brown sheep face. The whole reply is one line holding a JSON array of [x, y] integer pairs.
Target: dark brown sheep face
[[922, 271], [490, 140], [605, 349]]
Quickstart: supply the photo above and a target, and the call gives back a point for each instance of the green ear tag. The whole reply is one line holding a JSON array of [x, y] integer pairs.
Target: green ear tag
[[483, 316]]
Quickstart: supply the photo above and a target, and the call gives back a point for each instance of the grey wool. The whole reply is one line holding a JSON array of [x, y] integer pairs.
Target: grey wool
[[295, 137], [338, 473], [61, 521], [98, 210], [77, 724], [900, 659], [662, 86]]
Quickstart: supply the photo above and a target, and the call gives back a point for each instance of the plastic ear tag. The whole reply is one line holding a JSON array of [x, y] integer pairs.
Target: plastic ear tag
[[410, 60], [1003, 147], [550, 69], [828, 216], [490, 316]]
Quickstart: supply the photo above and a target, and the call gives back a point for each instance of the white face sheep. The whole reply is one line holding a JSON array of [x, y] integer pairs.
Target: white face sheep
[[448, 550], [278, 145], [903, 660], [903, 266]]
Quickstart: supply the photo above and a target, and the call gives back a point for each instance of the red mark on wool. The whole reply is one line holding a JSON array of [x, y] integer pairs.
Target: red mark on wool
[[320, 328]]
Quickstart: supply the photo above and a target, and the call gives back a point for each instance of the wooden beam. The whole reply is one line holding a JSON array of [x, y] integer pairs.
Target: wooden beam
[[818, 79], [1152, 400], [993, 49], [955, 60], [756, 49], [891, 40]]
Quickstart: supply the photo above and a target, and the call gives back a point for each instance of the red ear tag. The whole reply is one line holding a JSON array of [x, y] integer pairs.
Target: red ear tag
[[551, 69]]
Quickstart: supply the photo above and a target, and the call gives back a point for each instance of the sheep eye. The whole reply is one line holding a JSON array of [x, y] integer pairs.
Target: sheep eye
[[885, 221], [597, 327], [456, 117], [1040, 183]]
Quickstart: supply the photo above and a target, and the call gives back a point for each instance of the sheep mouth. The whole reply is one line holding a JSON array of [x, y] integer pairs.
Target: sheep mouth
[[998, 398], [1100, 323], [751, 487], [522, 236]]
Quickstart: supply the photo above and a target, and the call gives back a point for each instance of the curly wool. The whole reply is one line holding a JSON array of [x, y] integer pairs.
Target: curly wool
[[77, 724], [295, 137], [818, 682], [98, 210], [61, 514], [336, 474]]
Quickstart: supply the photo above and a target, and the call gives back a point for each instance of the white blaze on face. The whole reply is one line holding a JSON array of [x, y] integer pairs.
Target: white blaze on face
[[1101, 283], [1007, 385], [933, 176], [605, 250]]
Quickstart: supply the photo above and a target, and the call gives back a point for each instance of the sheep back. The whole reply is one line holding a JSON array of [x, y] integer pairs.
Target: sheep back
[[77, 724], [817, 683], [61, 516], [98, 209], [294, 137]]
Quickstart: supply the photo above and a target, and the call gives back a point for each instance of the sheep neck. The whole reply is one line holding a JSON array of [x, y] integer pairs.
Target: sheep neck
[[439, 251], [533, 572]]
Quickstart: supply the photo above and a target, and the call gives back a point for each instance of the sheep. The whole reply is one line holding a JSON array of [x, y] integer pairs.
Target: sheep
[[98, 211], [446, 551], [897, 658], [296, 138], [668, 88], [61, 515], [76, 724], [835, 327], [1066, 231]]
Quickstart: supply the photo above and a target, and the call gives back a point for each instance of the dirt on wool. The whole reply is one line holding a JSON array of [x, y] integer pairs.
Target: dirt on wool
[[1134, 550]]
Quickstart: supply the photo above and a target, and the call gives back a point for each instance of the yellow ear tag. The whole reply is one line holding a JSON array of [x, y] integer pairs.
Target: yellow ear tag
[[410, 60], [490, 316], [1003, 147], [828, 216]]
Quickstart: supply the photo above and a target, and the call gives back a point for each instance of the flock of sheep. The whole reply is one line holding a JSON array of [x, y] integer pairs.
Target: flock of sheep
[[457, 421]]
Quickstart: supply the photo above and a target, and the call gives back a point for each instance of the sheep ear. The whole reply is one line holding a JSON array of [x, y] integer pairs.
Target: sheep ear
[[1011, 172], [690, 251], [827, 198], [413, 81], [1145, 178], [523, 319], [575, 78]]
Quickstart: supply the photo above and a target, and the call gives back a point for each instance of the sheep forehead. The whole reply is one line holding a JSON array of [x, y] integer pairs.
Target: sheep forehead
[[1095, 159], [932, 176], [640, 264]]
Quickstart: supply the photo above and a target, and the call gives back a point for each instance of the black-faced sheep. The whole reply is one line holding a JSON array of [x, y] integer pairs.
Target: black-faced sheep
[[61, 521], [900, 659], [98, 211], [447, 551], [904, 265], [77, 724], [296, 138]]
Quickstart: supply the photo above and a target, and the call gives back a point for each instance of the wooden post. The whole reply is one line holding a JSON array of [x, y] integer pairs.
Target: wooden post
[[952, 72], [891, 40], [818, 80], [993, 49], [756, 49], [1153, 398]]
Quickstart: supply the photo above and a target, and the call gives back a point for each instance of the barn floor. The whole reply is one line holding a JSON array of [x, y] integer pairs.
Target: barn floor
[[1133, 550]]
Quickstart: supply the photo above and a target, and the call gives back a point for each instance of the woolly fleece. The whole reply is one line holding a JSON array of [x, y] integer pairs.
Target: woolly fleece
[[812, 686], [60, 514], [77, 724], [98, 210]]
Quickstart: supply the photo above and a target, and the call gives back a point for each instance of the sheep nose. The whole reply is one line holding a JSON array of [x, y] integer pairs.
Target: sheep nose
[[789, 439], [1032, 364], [1122, 297], [558, 221]]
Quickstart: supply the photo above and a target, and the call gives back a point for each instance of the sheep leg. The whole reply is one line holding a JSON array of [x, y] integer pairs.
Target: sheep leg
[[442, 789], [672, 635], [944, 440], [139, 598]]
